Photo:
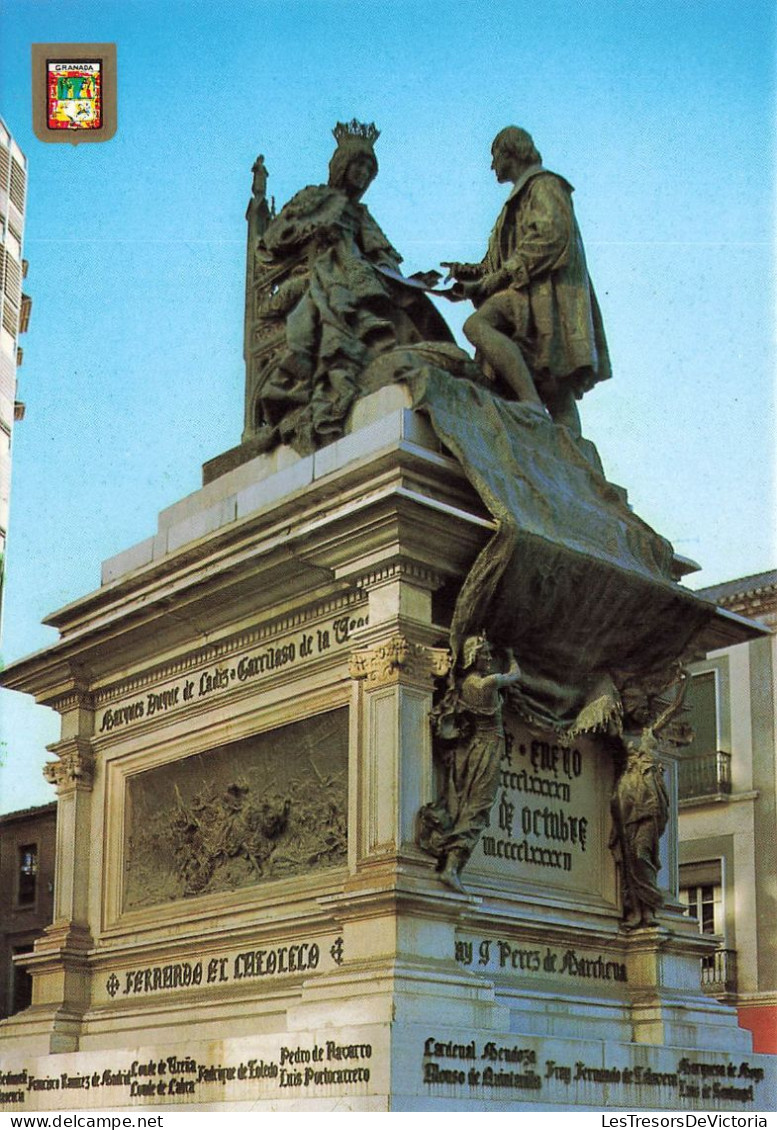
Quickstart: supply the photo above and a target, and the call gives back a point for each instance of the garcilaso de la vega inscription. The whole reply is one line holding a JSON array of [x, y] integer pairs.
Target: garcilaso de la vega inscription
[[278, 654]]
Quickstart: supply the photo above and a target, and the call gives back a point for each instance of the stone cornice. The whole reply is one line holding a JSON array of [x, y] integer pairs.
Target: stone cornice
[[754, 597], [412, 571], [758, 604], [222, 649], [76, 699]]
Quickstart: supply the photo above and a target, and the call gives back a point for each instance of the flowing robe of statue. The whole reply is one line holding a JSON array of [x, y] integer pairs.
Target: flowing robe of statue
[[536, 244], [475, 765], [640, 810], [470, 712], [340, 310]]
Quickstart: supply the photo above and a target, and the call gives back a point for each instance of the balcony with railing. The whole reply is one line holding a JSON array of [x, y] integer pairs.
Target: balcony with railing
[[719, 972], [706, 775]]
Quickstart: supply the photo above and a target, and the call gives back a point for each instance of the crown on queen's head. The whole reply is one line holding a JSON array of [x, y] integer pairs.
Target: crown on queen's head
[[363, 131]]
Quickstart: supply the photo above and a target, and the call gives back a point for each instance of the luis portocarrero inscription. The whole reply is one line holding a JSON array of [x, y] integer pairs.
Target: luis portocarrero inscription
[[167, 1078]]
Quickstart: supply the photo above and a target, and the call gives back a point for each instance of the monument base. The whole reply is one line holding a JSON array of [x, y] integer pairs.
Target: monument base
[[243, 916], [405, 1064]]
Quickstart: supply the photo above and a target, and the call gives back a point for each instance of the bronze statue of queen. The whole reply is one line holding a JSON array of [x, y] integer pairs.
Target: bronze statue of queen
[[342, 298]]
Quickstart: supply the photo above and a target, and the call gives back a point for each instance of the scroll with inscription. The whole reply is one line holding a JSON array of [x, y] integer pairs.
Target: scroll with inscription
[[572, 580]]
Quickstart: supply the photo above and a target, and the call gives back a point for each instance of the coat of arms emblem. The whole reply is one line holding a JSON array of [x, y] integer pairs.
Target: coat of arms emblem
[[74, 94]]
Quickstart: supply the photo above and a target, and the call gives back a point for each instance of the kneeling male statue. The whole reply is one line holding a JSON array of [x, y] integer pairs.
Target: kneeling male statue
[[537, 324]]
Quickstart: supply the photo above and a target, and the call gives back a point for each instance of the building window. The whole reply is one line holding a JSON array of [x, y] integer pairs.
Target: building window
[[11, 319], [28, 874], [18, 183], [702, 704], [704, 769], [704, 904], [13, 279], [21, 983], [701, 889]]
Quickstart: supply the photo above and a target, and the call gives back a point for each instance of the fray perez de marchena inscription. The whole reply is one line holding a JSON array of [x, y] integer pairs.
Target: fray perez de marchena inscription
[[545, 825], [510, 957], [279, 654]]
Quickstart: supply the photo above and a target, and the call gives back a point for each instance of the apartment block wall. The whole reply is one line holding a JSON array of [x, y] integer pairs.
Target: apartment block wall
[[27, 855], [728, 811], [14, 310]]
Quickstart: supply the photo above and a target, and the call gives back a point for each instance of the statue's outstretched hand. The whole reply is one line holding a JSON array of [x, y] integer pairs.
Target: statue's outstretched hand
[[462, 271], [460, 291], [429, 279]]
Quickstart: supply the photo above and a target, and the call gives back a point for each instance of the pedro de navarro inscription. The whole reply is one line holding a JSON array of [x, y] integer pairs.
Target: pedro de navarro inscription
[[294, 1068], [284, 652]]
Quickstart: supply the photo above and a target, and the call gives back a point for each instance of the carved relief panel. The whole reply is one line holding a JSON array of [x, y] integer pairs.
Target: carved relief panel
[[270, 806]]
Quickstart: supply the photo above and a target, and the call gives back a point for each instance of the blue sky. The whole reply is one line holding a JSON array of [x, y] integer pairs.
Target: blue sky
[[661, 113]]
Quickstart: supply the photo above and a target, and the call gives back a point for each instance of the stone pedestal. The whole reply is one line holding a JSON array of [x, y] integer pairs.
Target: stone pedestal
[[243, 916]]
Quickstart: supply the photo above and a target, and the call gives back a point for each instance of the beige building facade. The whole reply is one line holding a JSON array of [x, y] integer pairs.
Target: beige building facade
[[27, 860], [14, 310], [727, 811]]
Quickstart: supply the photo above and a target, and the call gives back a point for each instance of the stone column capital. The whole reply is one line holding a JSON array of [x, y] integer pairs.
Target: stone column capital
[[398, 659], [74, 768]]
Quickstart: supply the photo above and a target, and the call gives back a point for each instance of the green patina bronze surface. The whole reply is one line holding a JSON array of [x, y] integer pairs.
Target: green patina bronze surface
[[575, 582], [572, 579], [325, 298]]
